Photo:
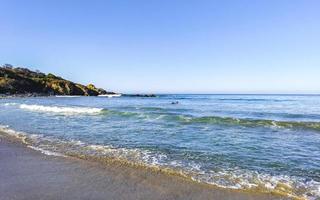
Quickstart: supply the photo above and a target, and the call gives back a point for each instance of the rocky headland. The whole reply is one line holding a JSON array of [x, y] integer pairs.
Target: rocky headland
[[17, 81]]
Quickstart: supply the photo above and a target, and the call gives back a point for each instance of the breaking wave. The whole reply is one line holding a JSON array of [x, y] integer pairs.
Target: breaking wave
[[62, 110]]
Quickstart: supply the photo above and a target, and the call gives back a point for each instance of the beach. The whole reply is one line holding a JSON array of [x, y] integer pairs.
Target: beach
[[30, 174]]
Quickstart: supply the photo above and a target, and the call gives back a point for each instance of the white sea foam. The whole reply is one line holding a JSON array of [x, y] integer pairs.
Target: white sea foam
[[61, 110], [109, 95], [10, 104], [243, 179], [46, 152], [23, 136], [17, 134]]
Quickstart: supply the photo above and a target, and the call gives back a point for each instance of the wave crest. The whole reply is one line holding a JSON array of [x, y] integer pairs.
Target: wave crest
[[62, 110], [252, 122]]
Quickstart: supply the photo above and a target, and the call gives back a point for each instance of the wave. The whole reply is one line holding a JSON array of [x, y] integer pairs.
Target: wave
[[247, 122], [152, 109], [61, 110], [230, 121], [232, 178], [218, 120], [157, 113], [253, 99]]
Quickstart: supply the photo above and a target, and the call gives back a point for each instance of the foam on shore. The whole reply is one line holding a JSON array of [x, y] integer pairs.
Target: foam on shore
[[231, 179]]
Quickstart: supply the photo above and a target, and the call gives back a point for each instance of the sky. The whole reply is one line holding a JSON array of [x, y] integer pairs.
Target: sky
[[168, 46]]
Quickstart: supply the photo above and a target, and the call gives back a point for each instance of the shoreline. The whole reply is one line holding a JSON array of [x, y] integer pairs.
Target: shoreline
[[30, 174]]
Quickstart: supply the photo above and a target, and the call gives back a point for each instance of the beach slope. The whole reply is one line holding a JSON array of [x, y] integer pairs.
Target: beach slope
[[29, 174]]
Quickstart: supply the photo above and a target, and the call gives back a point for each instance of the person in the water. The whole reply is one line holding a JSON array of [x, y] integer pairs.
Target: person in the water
[[175, 102]]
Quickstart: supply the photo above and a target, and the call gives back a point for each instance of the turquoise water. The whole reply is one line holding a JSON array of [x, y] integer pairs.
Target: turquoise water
[[258, 142]]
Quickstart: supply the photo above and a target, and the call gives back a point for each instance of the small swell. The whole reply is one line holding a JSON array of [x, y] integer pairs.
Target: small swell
[[251, 122], [248, 99], [218, 120]]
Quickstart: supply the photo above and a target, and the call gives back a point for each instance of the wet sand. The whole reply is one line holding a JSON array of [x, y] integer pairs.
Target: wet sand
[[29, 174]]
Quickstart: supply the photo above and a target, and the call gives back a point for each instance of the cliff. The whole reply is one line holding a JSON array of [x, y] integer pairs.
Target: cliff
[[24, 81]]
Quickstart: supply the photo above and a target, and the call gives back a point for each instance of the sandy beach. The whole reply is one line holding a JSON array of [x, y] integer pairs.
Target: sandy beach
[[29, 174]]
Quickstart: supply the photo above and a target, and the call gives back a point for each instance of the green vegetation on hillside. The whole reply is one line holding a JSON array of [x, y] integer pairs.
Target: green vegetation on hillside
[[24, 81]]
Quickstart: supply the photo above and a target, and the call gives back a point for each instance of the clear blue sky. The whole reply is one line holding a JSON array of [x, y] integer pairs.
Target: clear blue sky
[[168, 46]]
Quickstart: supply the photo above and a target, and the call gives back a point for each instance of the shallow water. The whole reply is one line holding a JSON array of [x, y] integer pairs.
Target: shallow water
[[256, 142]]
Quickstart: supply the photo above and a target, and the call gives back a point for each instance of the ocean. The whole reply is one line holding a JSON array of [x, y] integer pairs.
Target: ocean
[[260, 143]]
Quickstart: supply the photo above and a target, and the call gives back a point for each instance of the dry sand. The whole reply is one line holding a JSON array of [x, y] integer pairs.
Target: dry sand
[[29, 174]]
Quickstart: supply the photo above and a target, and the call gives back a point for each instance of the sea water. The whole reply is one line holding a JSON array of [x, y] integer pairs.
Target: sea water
[[267, 143]]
